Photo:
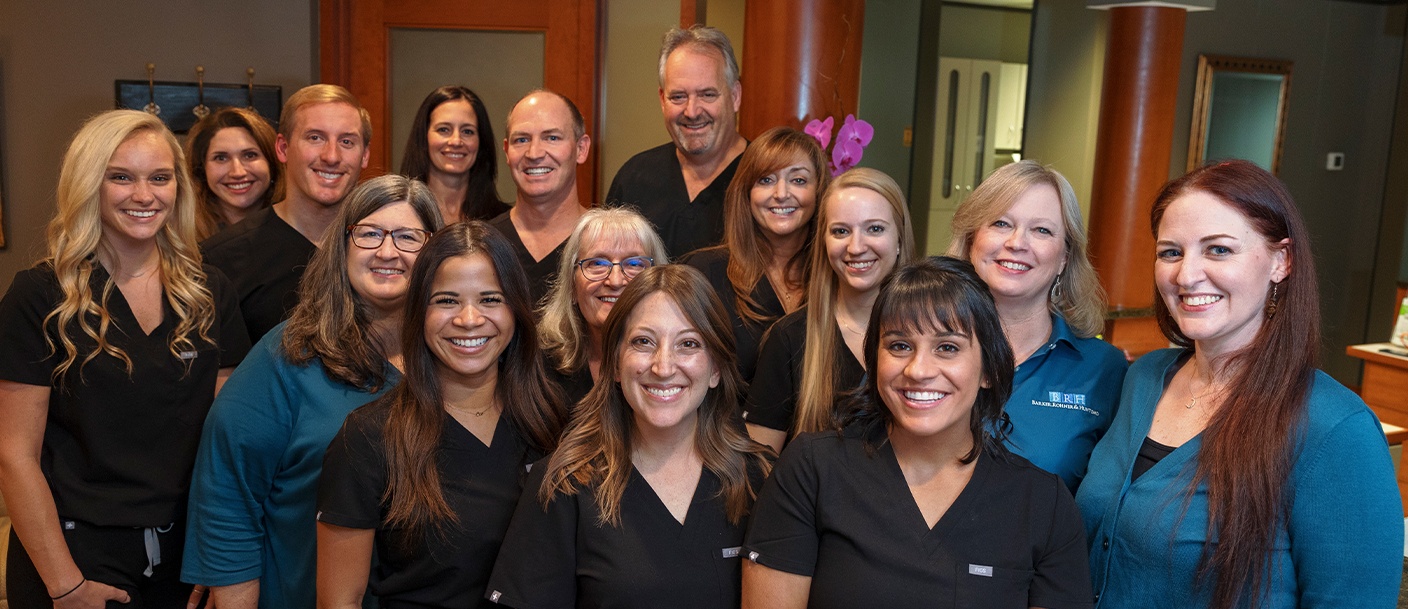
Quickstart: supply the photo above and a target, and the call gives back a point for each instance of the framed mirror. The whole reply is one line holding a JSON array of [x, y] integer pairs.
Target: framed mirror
[[1239, 110]]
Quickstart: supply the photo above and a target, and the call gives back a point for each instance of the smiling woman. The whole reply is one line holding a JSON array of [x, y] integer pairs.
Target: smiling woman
[[451, 148]]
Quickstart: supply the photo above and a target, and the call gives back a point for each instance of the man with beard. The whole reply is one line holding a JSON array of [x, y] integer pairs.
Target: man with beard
[[322, 142], [680, 186]]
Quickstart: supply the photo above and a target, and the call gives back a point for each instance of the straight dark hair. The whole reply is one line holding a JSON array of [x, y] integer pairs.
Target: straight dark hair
[[481, 199], [939, 294], [531, 403], [1249, 445]]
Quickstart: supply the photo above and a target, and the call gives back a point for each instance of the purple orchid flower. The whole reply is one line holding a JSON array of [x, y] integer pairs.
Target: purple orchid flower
[[856, 130], [821, 130]]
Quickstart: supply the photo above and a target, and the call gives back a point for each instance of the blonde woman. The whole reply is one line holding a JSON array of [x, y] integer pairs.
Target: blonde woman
[[607, 249], [115, 344], [862, 233]]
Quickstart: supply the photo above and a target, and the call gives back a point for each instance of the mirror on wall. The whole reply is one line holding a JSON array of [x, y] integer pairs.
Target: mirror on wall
[[1239, 110]]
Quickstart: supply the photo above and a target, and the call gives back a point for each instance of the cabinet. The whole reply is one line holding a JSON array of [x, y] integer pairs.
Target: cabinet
[[1011, 106], [965, 130]]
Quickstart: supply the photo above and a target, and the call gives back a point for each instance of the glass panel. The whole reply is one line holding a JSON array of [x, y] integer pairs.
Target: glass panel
[[981, 154], [499, 66], [949, 133]]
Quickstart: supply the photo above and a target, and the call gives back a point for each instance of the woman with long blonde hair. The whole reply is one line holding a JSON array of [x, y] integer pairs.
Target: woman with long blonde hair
[[115, 344], [863, 233]]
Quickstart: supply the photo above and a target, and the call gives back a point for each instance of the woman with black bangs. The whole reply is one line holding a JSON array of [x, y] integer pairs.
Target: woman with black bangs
[[917, 502]]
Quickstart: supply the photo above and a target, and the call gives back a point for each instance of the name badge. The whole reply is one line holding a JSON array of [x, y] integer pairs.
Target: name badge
[[732, 552], [982, 570], [187, 355]]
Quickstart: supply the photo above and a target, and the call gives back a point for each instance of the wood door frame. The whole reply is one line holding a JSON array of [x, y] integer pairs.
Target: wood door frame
[[354, 53]]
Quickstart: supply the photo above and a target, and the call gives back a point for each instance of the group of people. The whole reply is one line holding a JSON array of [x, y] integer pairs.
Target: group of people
[[416, 393]]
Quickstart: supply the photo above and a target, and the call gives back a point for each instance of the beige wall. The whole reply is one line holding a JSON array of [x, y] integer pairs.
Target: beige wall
[[630, 89], [58, 62]]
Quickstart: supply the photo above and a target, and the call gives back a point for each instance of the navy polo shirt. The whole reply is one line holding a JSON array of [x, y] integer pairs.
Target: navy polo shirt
[[1063, 399]]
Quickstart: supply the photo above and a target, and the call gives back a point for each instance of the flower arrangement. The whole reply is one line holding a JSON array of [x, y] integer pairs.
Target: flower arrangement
[[851, 140]]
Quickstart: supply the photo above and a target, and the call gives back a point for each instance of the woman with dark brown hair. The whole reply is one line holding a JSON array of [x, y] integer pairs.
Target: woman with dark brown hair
[[233, 164], [452, 149], [760, 271], [645, 500], [1235, 474], [429, 474]]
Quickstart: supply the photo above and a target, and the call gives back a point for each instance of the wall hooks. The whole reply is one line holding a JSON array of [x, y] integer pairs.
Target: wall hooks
[[201, 110], [151, 107], [250, 72]]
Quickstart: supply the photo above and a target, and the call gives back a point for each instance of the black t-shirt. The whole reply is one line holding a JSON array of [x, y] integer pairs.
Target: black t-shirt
[[772, 396], [480, 483], [264, 258], [575, 386], [847, 519], [653, 182], [713, 263], [541, 273], [118, 448], [560, 557]]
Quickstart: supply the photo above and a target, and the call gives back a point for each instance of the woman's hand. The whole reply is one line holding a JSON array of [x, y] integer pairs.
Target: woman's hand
[[197, 593], [91, 595]]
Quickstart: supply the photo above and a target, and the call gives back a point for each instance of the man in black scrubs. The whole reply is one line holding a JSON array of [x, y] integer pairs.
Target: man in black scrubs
[[322, 143], [680, 186], [547, 139]]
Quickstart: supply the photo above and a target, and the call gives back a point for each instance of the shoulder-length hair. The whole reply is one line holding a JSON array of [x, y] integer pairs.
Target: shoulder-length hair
[[531, 403], [749, 250], [940, 294], [817, 396], [480, 196], [1249, 444], [76, 234], [331, 321], [596, 448], [209, 219], [564, 332], [1079, 300]]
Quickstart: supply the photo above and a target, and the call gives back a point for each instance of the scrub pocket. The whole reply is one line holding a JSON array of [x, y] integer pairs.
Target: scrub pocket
[[983, 586]]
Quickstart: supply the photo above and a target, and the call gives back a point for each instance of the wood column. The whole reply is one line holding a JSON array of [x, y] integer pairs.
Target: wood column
[[801, 60], [1132, 155]]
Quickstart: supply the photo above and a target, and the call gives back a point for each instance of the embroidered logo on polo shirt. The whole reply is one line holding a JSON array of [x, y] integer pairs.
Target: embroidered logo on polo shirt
[[983, 570], [732, 552], [1068, 401]]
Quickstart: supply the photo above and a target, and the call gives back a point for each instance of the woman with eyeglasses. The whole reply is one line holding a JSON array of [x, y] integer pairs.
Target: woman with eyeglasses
[[253, 496], [760, 271], [608, 248]]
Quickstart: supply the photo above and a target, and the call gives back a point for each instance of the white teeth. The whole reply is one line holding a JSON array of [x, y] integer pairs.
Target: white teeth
[[455, 155], [141, 214], [782, 211], [1016, 266], [327, 175], [861, 266], [610, 299], [389, 272], [1198, 301], [239, 186], [923, 396], [664, 393], [469, 342], [537, 171]]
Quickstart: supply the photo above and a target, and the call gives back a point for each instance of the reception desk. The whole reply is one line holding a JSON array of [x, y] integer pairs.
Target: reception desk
[[1385, 389]]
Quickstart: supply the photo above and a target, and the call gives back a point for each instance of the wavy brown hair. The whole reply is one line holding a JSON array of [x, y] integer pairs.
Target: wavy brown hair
[[209, 220], [331, 322], [480, 197], [1249, 445], [749, 250], [532, 404], [596, 448], [76, 234]]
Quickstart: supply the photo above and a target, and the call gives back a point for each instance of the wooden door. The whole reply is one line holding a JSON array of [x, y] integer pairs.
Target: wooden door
[[356, 51]]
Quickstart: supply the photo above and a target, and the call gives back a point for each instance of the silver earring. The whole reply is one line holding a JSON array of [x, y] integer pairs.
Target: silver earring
[[1056, 289]]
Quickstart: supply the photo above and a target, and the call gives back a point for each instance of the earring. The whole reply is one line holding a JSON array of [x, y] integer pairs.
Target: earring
[[1056, 289], [1271, 303]]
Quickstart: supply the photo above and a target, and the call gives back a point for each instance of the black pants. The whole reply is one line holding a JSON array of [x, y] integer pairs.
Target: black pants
[[115, 556]]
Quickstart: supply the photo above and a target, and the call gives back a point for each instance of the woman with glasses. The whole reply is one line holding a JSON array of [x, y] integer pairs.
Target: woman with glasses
[[429, 474], [608, 248], [253, 496], [760, 271]]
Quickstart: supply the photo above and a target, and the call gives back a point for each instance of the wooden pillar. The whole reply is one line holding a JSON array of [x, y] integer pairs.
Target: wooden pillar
[[1132, 155], [801, 60]]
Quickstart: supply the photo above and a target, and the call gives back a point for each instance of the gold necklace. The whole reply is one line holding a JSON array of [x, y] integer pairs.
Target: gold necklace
[[1207, 389]]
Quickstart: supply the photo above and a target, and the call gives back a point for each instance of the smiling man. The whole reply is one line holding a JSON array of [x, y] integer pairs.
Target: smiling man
[[322, 143], [546, 141], [680, 186]]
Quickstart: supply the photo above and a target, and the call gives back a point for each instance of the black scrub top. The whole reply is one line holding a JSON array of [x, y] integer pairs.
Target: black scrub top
[[772, 396], [575, 385], [652, 181], [541, 273], [264, 258], [847, 519], [480, 483], [560, 557], [713, 263], [118, 447]]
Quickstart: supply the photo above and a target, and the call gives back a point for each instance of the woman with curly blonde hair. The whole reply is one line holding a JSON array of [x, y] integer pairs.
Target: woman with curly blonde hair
[[115, 344]]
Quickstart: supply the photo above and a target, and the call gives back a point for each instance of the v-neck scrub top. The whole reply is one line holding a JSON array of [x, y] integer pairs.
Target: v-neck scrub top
[[118, 446], [264, 258], [541, 273], [1338, 545], [847, 519], [652, 181], [560, 557], [481, 484], [772, 396], [747, 334]]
